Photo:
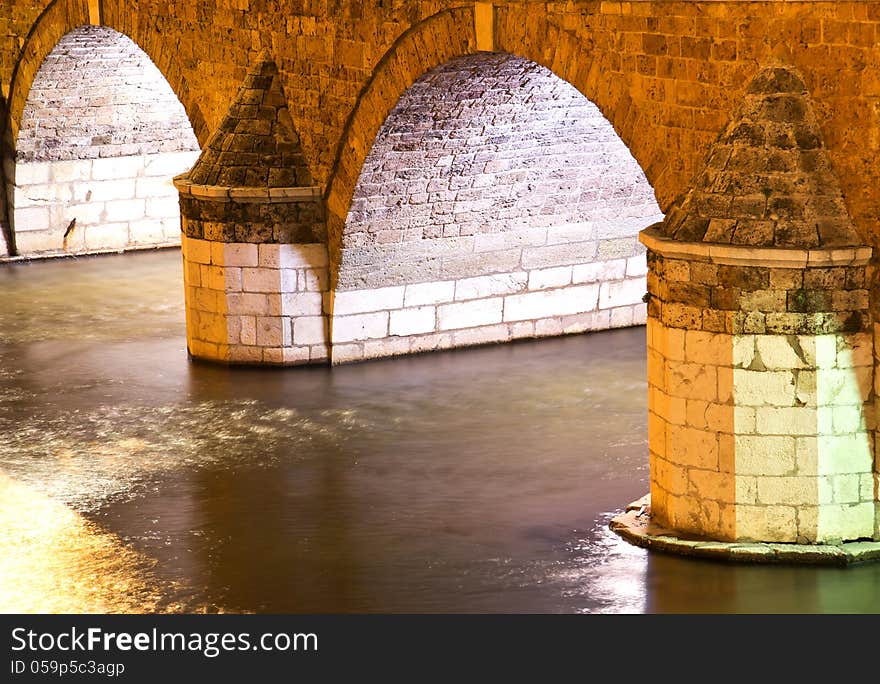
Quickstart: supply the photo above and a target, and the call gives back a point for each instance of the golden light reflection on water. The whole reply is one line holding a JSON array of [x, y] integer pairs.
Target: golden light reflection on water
[[52, 560]]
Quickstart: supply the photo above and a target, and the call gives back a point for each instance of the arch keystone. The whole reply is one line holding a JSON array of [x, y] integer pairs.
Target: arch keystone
[[484, 26]]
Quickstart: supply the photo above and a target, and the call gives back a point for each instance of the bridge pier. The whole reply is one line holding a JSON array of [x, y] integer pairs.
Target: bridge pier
[[760, 345], [254, 241]]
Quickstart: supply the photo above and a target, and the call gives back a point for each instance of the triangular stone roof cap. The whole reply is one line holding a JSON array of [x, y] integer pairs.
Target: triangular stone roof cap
[[255, 145], [768, 179]]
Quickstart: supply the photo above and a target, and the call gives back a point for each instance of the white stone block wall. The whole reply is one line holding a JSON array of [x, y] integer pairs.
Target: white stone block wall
[[261, 304], [765, 437], [117, 203], [497, 307]]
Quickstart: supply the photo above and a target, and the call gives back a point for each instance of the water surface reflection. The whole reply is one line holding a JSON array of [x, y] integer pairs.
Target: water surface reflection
[[476, 480]]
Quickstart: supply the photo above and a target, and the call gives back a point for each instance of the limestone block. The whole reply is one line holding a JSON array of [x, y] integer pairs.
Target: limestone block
[[788, 490], [155, 187], [110, 168], [393, 346], [670, 476], [799, 420], [846, 419], [571, 232], [521, 330], [763, 388], [302, 304], [192, 274], [232, 276], [483, 335], [429, 293], [364, 301], [542, 304], [636, 266], [196, 251], [146, 232], [764, 455], [76, 170], [714, 349], [241, 254], [593, 320], [691, 381], [314, 279], [30, 219], [691, 447], [549, 277], [431, 342], [766, 523], [33, 173], [162, 207], [90, 214], [218, 252], [559, 255], [501, 241], [621, 317], [261, 280], [710, 484], [288, 280], [845, 521], [837, 454], [490, 285], [844, 488], [303, 255], [247, 303], [413, 321], [247, 329], [599, 271], [125, 210], [243, 354], [549, 326], [744, 420], [622, 293], [470, 314], [779, 352], [843, 386], [359, 327], [309, 330], [169, 164], [213, 277], [296, 355], [746, 489], [107, 236], [269, 256]]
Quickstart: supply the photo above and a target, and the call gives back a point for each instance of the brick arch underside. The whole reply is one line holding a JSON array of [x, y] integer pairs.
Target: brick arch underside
[[100, 137], [450, 34], [496, 202], [63, 16], [491, 164]]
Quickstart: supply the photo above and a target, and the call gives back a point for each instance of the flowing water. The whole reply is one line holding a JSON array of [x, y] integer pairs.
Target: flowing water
[[133, 479]]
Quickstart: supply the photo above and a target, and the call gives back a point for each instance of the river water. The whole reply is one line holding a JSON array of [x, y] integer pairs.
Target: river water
[[133, 479]]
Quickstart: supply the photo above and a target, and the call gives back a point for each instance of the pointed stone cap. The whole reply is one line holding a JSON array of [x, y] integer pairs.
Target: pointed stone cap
[[768, 180], [256, 144]]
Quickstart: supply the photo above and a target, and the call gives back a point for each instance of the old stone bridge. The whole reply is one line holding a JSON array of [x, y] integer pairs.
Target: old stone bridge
[[363, 179]]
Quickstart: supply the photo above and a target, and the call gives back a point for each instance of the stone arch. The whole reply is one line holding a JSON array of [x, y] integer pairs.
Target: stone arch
[[451, 34], [63, 16], [98, 140], [496, 202]]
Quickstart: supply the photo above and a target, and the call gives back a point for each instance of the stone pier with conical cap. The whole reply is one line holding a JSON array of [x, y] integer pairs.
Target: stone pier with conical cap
[[760, 348], [254, 236]]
